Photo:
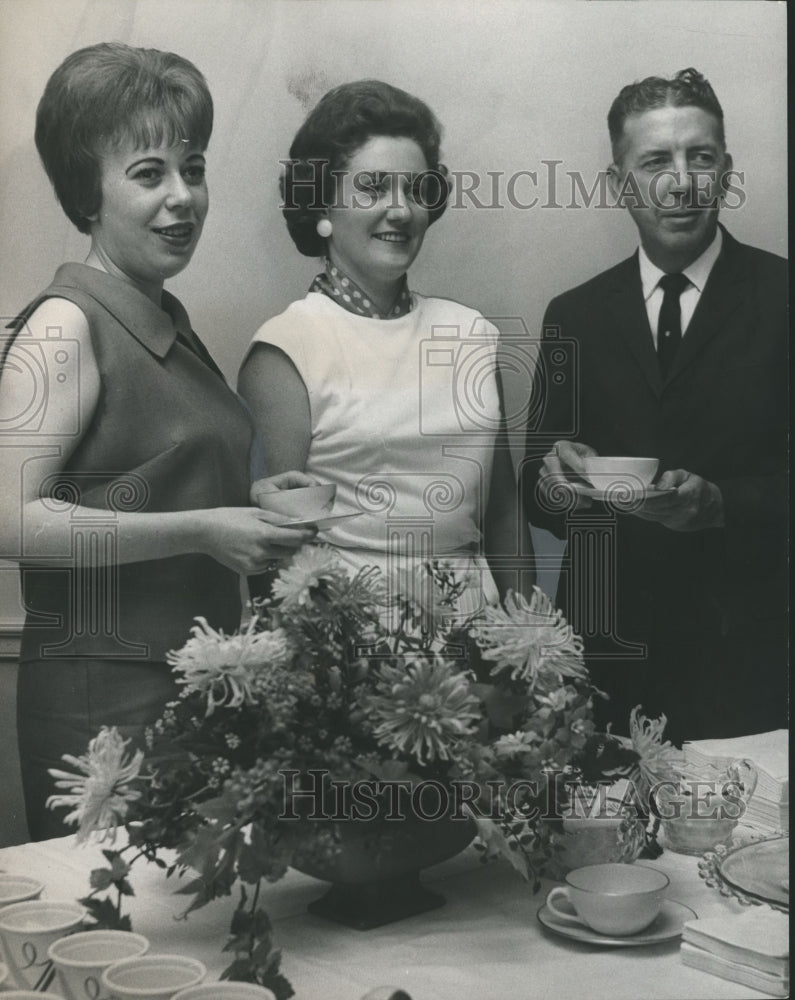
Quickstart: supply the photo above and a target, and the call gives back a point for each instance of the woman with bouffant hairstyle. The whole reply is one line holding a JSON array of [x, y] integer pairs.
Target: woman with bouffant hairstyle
[[131, 476], [367, 381]]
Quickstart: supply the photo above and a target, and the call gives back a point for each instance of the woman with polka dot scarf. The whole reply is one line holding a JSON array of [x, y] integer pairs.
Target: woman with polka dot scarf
[[391, 395]]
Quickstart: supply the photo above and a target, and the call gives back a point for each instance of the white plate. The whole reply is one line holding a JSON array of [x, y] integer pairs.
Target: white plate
[[622, 492], [320, 523], [667, 925]]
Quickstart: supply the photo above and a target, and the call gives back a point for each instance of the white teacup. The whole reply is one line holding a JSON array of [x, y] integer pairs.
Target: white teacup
[[80, 959], [18, 888], [28, 929], [305, 503], [614, 899], [602, 471], [151, 977], [225, 991]]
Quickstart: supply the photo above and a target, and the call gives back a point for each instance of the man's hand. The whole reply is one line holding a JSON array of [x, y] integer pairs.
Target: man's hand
[[696, 505], [562, 466]]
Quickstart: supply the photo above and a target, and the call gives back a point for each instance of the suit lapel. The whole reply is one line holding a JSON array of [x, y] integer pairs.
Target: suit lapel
[[629, 319], [720, 299]]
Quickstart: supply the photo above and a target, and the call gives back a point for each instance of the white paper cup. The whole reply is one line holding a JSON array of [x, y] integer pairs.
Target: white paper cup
[[18, 888], [151, 977], [225, 991], [80, 959], [30, 995], [28, 929]]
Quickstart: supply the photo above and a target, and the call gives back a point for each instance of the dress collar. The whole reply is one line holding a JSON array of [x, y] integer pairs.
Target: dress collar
[[697, 272], [156, 327], [340, 287]]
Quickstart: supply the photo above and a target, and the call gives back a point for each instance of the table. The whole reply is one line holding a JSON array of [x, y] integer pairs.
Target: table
[[485, 944]]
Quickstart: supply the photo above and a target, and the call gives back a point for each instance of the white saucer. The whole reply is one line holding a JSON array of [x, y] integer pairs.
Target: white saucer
[[320, 523], [622, 492], [667, 925]]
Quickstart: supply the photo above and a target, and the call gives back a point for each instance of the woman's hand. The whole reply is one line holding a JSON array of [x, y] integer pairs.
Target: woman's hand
[[245, 539], [284, 481]]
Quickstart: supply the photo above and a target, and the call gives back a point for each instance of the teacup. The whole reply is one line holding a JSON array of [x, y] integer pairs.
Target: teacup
[[614, 899], [28, 929], [151, 977], [305, 503], [225, 991], [81, 958], [18, 888], [602, 471]]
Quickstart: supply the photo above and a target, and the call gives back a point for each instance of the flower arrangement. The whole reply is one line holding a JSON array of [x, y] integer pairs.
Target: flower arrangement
[[336, 678]]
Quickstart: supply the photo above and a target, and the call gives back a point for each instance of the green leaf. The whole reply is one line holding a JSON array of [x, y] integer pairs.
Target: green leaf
[[104, 915], [101, 879], [502, 707]]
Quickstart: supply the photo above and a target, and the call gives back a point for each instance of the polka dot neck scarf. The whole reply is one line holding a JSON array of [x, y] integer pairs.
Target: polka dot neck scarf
[[335, 283]]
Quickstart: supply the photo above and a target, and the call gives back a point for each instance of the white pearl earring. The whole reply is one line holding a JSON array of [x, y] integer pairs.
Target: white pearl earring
[[324, 228]]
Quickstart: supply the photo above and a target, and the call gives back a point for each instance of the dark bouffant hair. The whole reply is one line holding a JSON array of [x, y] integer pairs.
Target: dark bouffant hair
[[687, 89], [104, 95], [342, 122]]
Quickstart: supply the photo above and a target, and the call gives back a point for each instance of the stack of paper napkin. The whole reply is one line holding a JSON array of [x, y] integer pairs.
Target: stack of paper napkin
[[750, 948], [769, 805]]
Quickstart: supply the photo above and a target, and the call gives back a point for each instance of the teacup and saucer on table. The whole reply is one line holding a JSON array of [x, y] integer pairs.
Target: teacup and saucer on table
[[616, 905]]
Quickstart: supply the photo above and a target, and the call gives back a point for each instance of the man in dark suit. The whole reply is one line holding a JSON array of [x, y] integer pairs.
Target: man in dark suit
[[678, 353]]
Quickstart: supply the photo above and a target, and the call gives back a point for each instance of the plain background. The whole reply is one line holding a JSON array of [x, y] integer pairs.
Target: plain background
[[513, 83]]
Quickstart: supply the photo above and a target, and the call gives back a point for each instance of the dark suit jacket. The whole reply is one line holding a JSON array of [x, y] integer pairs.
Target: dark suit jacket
[[722, 413]]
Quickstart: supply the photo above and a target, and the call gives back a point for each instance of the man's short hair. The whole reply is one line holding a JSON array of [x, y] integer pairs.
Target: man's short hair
[[687, 89]]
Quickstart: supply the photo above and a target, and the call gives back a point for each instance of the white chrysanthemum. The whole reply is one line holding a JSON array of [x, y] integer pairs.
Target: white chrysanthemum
[[515, 744], [101, 791], [531, 640], [423, 710], [224, 669], [309, 567], [657, 760]]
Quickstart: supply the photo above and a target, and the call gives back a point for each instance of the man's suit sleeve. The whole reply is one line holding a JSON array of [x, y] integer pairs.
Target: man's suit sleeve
[[552, 404]]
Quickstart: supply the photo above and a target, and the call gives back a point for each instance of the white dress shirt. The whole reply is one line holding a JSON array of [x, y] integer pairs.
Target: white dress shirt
[[697, 273]]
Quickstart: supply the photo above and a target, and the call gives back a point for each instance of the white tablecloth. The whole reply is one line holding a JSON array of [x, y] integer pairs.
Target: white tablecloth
[[485, 943]]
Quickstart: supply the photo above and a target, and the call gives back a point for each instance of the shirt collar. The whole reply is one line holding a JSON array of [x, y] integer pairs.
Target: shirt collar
[[156, 327], [697, 272], [339, 286]]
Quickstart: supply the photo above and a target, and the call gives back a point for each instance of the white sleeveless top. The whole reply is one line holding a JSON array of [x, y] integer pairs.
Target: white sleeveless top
[[404, 415]]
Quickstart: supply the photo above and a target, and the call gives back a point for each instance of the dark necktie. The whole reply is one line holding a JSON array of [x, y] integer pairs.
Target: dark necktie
[[669, 328]]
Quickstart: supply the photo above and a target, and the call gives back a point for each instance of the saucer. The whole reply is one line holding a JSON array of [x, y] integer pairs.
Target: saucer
[[667, 925], [321, 523], [622, 492]]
